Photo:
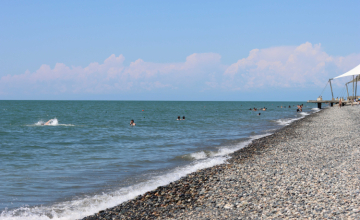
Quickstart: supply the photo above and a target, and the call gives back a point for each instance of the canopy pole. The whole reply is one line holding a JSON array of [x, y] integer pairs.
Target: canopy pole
[[353, 87], [356, 87], [347, 91], [332, 94]]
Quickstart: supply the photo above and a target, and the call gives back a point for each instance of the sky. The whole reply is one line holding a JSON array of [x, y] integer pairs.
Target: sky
[[176, 50]]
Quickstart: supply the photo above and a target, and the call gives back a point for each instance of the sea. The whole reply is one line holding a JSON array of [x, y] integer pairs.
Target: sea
[[88, 157]]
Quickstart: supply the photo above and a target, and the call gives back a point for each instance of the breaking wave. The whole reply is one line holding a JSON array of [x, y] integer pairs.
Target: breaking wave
[[226, 150], [79, 208], [286, 121], [304, 113]]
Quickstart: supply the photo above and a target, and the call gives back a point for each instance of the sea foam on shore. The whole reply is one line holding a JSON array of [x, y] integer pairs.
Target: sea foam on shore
[[298, 172], [77, 208]]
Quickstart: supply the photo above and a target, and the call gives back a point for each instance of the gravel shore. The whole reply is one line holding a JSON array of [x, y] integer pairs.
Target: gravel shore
[[309, 169]]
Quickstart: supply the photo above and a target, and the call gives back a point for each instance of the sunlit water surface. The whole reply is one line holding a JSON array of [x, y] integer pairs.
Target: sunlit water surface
[[89, 158]]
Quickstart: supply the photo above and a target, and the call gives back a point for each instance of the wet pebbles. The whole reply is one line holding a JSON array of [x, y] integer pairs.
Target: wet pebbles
[[310, 169]]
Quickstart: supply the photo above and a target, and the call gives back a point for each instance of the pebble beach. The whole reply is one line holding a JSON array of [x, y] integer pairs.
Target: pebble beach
[[309, 169]]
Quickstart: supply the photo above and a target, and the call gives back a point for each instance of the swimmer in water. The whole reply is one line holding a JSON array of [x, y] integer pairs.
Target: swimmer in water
[[178, 119], [183, 117], [259, 114], [132, 123], [48, 122]]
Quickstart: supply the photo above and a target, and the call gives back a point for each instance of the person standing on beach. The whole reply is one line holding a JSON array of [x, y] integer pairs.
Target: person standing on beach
[[340, 103]]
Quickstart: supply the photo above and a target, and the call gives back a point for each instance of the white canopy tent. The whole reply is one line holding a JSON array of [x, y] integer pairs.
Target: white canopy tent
[[353, 72]]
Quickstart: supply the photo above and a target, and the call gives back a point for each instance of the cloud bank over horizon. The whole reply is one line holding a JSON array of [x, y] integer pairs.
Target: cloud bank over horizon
[[282, 67]]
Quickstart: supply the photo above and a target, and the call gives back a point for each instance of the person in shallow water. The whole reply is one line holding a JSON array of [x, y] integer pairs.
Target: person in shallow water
[[178, 118], [299, 108], [132, 122], [183, 117]]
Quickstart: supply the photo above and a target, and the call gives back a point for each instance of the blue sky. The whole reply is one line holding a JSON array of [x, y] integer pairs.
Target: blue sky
[[175, 50]]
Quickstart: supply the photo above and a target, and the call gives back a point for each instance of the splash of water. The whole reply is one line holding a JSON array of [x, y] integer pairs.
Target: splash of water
[[51, 122]]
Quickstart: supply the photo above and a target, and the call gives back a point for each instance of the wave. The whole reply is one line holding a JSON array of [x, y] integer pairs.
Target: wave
[[224, 151], [286, 121], [316, 109], [304, 113], [199, 155], [79, 208]]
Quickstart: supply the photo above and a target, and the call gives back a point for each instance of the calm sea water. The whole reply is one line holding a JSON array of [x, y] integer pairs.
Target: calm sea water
[[90, 158]]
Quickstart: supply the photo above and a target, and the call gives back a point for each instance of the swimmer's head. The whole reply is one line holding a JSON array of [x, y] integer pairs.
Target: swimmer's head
[[183, 117]]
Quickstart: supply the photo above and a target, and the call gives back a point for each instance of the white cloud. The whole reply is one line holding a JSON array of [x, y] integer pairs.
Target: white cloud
[[301, 66], [306, 65]]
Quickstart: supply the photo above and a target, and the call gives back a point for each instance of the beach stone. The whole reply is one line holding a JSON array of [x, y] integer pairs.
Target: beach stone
[[228, 206], [307, 170]]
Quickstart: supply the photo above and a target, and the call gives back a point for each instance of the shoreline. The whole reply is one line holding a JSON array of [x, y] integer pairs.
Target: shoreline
[[184, 195]]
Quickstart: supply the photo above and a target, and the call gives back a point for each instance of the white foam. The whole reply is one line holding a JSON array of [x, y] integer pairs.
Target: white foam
[[79, 208], [286, 121], [199, 155], [231, 149], [52, 122], [226, 150], [316, 109], [304, 113], [39, 122]]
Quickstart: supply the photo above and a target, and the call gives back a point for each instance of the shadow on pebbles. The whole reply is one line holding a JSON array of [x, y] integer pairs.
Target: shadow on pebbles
[[309, 169]]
